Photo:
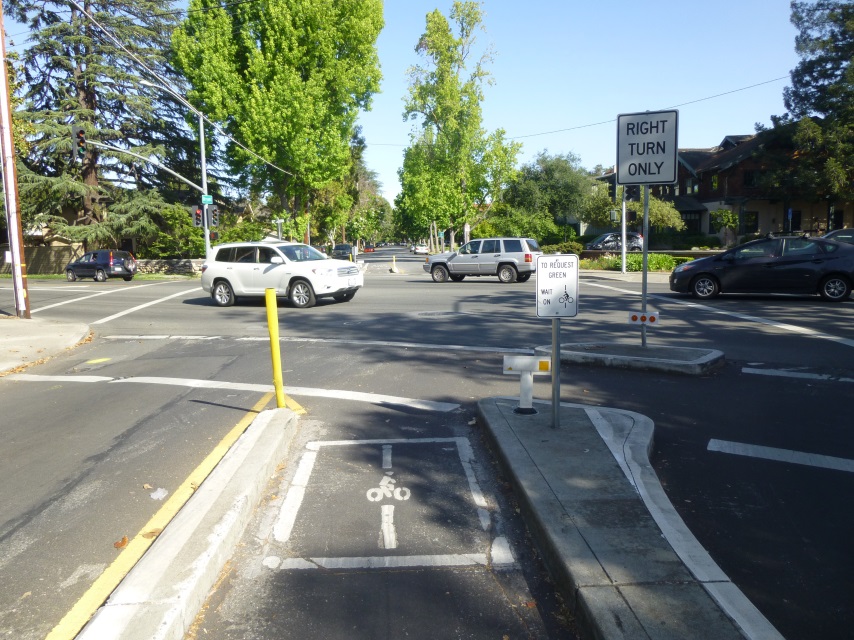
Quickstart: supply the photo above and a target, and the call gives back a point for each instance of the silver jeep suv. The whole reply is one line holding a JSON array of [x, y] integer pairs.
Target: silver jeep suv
[[511, 259]]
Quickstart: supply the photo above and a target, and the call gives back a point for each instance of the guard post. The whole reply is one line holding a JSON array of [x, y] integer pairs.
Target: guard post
[[526, 367]]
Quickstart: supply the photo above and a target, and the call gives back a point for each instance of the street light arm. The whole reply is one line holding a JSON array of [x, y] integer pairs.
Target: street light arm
[[148, 160]]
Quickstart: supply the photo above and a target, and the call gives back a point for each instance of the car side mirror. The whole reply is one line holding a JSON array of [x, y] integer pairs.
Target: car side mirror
[[277, 260]]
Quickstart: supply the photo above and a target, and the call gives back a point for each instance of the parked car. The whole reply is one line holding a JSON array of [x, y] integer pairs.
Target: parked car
[[790, 264], [102, 264], [841, 235], [420, 249], [369, 248], [342, 251], [511, 259], [613, 241], [296, 271]]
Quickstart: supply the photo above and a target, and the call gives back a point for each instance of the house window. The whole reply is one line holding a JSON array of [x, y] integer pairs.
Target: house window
[[749, 222], [692, 222], [749, 178], [715, 182]]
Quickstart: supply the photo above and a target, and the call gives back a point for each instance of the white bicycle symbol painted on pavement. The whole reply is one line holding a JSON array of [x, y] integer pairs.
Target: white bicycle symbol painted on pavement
[[388, 490]]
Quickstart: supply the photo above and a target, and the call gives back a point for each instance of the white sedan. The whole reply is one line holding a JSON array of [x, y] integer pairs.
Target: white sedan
[[420, 249]]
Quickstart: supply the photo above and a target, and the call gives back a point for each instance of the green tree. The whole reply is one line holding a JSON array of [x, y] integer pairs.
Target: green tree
[[552, 188], [725, 219], [73, 74], [597, 207], [453, 171], [285, 78], [809, 153]]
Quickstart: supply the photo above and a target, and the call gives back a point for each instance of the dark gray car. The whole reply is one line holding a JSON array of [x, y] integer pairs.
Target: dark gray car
[[612, 242], [102, 264]]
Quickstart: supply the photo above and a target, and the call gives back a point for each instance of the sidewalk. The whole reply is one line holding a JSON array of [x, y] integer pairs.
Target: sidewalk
[[25, 342]]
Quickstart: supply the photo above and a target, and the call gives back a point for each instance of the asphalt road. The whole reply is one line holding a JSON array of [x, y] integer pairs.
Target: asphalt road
[[779, 527]]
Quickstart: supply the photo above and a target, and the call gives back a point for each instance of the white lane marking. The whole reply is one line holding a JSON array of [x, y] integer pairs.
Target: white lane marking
[[366, 343], [386, 456], [386, 562], [340, 394], [782, 373], [782, 455], [388, 530], [143, 306], [500, 553], [810, 333], [94, 295], [284, 524]]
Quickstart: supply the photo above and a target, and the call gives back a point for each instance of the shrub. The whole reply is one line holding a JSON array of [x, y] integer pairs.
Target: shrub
[[634, 262], [564, 247]]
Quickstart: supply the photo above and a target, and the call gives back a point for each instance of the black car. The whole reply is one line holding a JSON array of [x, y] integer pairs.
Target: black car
[[342, 251], [102, 264], [841, 235], [613, 242], [771, 265]]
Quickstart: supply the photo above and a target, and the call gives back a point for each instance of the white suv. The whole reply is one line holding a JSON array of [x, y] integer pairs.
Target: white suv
[[296, 271]]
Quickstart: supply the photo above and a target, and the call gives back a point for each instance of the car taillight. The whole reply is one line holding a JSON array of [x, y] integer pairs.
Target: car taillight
[[529, 257], [204, 267]]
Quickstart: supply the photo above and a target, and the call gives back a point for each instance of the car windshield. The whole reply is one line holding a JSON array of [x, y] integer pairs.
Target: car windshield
[[300, 252]]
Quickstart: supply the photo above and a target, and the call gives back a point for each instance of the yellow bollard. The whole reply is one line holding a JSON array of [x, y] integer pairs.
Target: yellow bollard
[[273, 326]]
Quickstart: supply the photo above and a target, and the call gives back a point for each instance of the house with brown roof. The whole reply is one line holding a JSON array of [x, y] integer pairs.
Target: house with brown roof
[[728, 176]]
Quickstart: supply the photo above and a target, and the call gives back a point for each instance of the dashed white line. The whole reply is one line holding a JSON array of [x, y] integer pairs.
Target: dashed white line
[[803, 375], [782, 455]]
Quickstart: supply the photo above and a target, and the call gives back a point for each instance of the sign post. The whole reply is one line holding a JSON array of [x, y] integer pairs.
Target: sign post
[[647, 151], [557, 297]]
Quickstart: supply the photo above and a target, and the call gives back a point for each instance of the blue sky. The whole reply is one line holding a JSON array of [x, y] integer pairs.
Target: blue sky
[[563, 64]]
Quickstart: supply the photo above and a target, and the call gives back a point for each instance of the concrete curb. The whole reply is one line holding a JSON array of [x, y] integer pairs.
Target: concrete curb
[[163, 593], [683, 360], [623, 576]]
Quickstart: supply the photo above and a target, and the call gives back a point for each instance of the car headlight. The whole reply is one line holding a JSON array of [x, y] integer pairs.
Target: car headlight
[[684, 267]]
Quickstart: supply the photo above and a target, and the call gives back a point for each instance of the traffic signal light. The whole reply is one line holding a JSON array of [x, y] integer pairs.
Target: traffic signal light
[[197, 217], [632, 192], [78, 143], [612, 190], [214, 216]]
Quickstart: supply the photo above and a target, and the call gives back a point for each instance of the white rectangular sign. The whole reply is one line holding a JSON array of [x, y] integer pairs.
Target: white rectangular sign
[[647, 145], [557, 286]]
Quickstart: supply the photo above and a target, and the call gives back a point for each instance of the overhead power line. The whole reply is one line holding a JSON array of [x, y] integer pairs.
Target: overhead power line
[[153, 74]]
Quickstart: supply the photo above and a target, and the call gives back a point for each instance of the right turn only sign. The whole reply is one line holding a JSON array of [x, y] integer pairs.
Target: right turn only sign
[[557, 286]]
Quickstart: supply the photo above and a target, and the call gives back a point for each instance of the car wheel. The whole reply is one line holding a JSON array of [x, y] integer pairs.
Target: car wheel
[[302, 295], [100, 275], [127, 278], [705, 287], [222, 294], [457, 278], [345, 297], [835, 288], [507, 273], [70, 275], [523, 277], [440, 273], [635, 249]]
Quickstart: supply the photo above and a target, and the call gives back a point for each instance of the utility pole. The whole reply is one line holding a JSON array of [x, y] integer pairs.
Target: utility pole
[[10, 185]]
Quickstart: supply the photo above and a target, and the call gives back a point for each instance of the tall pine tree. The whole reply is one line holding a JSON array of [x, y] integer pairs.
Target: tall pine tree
[[75, 75]]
